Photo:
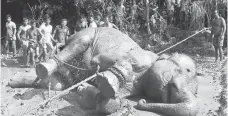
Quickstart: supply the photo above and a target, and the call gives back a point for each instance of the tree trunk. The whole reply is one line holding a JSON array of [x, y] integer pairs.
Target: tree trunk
[[147, 16]]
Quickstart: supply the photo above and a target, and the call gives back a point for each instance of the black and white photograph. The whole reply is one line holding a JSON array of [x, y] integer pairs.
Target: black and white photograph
[[113, 58]]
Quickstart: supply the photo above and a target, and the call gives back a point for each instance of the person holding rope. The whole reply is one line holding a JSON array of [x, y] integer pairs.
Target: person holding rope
[[217, 35]]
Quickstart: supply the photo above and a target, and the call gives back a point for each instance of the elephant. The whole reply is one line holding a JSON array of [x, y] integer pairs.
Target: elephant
[[117, 60]]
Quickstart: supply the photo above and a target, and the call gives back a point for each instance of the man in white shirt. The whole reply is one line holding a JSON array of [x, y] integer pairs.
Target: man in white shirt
[[10, 35], [47, 38], [22, 37], [92, 22]]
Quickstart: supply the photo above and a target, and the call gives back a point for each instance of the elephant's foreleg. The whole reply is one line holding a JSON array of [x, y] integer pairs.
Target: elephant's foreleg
[[187, 108], [56, 80]]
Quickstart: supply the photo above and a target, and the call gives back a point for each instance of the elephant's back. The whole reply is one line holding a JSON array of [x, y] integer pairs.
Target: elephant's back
[[110, 39]]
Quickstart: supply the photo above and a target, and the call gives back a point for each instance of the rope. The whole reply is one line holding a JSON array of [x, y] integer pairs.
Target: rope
[[58, 95], [82, 69], [204, 29], [92, 52]]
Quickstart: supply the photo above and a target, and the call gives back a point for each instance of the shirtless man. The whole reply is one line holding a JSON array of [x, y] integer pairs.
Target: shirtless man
[[61, 34], [22, 37], [10, 35], [33, 36], [217, 35]]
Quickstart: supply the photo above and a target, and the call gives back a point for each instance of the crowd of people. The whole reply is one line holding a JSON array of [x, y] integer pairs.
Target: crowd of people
[[39, 43]]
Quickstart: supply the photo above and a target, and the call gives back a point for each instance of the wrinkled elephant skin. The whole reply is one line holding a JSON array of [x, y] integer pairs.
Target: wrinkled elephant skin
[[173, 83]]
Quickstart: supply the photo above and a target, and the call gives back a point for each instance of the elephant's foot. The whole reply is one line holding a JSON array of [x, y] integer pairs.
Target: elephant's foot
[[88, 96], [108, 84]]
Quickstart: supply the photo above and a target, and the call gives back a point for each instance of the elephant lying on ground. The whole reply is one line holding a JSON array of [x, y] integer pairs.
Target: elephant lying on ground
[[171, 81]]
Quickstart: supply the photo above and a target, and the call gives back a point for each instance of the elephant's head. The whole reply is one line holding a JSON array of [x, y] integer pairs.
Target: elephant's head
[[187, 73], [175, 80], [186, 63]]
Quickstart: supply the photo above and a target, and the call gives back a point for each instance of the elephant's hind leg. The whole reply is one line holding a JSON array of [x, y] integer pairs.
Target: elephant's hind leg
[[74, 48]]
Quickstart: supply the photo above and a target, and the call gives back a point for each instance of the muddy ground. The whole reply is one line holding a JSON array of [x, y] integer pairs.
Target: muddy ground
[[212, 89]]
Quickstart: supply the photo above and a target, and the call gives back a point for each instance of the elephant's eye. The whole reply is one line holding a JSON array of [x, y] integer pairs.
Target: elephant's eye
[[188, 70]]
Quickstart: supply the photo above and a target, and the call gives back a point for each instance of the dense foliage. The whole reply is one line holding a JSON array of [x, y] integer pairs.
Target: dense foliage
[[199, 15]]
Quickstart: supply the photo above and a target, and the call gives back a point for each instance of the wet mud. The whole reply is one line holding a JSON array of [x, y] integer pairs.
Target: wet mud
[[212, 94]]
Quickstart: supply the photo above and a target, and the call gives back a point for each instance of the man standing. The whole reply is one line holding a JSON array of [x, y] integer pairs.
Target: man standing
[[109, 24], [120, 13], [10, 35], [134, 8], [109, 10], [92, 22], [81, 24], [170, 10], [33, 36], [217, 35], [46, 40], [22, 37], [98, 20], [184, 13], [61, 33], [177, 10]]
